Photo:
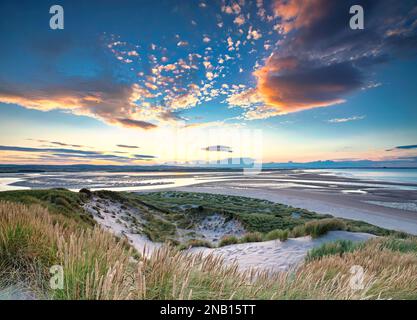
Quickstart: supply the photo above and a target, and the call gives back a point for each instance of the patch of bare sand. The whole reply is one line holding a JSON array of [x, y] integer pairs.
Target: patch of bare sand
[[276, 255]]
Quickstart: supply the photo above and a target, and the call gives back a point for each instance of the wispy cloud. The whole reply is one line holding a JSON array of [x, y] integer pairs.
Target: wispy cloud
[[341, 120], [76, 154], [131, 123], [127, 146], [58, 143], [407, 147], [218, 148], [144, 156]]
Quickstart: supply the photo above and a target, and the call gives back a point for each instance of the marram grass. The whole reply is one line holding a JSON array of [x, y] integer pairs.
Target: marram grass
[[98, 265]]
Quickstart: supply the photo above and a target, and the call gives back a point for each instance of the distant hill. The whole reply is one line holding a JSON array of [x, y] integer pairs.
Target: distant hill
[[230, 164]]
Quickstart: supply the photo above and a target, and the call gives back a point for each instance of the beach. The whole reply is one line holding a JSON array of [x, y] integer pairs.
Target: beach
[[386, 198]]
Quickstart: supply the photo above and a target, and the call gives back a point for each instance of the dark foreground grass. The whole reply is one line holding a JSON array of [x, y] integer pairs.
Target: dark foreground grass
[[338, 247]]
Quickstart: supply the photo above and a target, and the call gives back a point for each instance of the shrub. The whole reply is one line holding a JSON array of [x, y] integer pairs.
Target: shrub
[[198, 243], [401, 245], [252, 237], [318, 228], [282, 235], [61, 201], [87, 192], [228, 240], [298, 231], [338, 247]]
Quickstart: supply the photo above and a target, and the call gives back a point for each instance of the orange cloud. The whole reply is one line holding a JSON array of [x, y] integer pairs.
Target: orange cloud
[[288, 84], [295, 14], [109, 102], [184, 101]]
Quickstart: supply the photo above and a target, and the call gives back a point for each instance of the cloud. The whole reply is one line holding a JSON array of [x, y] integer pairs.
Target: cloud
[[239, 20], [76, 154], [218, 148], [245, 98], [184, 101], [340, 120], [320, 61], [102, 98], [127, 146], [28, 149], [58, 143], [131, 123], [182, 44], [291, 85], [144, 156], [407, 147]]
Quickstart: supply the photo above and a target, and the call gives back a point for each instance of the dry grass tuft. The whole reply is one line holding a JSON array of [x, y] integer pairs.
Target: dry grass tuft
[[94, 263]]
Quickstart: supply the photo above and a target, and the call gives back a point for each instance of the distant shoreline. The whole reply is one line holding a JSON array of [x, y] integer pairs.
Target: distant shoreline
[[11, 168]]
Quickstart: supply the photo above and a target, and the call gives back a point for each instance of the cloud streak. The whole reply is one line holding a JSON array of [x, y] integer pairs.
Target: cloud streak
[[127, 146], [341, 120], [218, 148], [76, 154], [407, 147]]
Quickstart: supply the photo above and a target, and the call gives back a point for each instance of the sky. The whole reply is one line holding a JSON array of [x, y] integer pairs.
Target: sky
[[181, 82]]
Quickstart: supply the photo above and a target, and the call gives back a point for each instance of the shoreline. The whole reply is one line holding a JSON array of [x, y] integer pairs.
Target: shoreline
[[391, 205]]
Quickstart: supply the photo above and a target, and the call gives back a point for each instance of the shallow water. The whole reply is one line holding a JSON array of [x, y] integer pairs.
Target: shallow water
[[140, 181], [386, 175]]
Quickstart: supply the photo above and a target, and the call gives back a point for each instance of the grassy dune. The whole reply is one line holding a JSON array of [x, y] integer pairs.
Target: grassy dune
[[97, 265]]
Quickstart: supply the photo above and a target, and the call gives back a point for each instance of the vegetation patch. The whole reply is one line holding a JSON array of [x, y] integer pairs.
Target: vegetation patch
[[98, 265], [277, 234], [57, 201], [338, 247], [228, 240]]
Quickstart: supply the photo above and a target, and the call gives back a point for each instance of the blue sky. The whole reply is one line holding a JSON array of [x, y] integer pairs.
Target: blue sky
[[165, 75]]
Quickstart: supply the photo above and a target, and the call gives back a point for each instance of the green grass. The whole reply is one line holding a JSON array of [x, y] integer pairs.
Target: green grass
[[99, 266], [159, 230], [277, 234], [408, 245], [256, 215], [57, 201], [252, 237], [338, 247], [320, 227], [228, 240], [165, 212]]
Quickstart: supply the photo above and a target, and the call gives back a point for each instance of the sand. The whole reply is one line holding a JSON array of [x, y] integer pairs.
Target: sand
[[275, 255], [112, 216], [269, 255]]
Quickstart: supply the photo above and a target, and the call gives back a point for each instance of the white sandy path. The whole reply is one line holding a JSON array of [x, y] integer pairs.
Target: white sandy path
[[276, 255], [110, 220]]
